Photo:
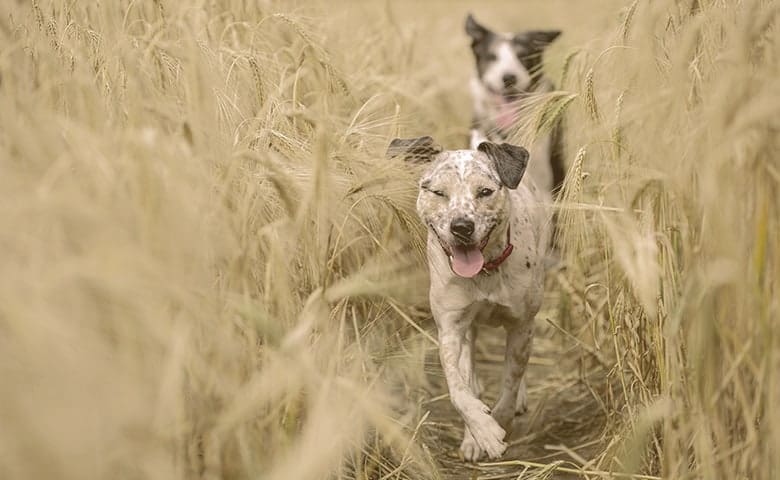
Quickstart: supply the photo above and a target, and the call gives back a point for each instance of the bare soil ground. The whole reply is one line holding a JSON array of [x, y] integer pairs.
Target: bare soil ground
[[564, 422]]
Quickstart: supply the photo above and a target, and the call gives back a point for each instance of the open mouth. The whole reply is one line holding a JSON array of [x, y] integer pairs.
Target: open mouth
[[466, 259], [507, 108]]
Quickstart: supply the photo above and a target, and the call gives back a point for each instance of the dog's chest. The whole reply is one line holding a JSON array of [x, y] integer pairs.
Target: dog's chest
[[501, 297]]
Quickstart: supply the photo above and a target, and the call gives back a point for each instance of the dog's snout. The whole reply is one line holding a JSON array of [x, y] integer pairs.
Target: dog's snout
[[462, 228], [509, 79]]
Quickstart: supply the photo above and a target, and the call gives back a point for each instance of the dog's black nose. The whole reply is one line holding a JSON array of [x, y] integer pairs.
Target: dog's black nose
[[462, 228], [509, 80]]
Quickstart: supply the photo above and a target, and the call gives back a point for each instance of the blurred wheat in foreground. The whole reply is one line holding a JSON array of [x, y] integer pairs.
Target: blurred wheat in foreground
[[209, 269]]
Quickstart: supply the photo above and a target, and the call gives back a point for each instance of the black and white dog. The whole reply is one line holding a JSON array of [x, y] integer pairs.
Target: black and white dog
[[508, 69]]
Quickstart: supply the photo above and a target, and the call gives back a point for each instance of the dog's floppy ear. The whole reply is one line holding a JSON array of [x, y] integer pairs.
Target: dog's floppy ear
[[537, 39], [510, 161], [416, 150], [475, 30]]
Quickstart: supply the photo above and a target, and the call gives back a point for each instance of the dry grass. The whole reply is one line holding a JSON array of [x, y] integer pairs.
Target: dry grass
[[209, 270]]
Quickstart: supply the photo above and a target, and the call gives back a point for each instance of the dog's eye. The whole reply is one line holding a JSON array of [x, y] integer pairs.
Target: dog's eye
[[484, 192], [491, 57], [438, 193]]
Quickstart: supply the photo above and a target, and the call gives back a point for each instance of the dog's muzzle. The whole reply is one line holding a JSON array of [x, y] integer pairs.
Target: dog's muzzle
[[466, 258]]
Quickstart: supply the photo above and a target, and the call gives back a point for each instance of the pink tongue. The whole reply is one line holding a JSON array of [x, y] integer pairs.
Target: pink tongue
[[507, 114], [467, 261]]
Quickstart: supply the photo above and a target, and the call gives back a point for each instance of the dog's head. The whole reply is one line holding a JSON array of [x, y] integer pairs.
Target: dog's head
[[508, 64], [463, 194]]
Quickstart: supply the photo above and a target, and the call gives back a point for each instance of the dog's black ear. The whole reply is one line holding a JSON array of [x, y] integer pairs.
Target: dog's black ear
[[537, 39], [510, 161], [415, 150], [475, 30]]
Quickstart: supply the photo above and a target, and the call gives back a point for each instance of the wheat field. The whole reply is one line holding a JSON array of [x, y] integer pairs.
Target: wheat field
[[210, 270]]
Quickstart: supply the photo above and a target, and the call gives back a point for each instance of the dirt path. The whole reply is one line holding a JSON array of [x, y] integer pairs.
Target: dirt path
[[564, 421]]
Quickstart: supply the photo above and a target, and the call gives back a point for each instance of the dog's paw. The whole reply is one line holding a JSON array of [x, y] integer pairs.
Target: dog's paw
[[521, 405], [488, 434], [469, 448]]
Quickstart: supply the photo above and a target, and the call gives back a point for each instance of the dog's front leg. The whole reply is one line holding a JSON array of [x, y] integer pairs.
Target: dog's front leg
[[486, 432], [518, 350], [468, 447], [466, 366]]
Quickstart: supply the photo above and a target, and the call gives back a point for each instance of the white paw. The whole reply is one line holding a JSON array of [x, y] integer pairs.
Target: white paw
[[521, 405], [469, 448], [488, 433]]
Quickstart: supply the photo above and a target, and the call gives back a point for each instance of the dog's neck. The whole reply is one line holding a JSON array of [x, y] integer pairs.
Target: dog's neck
[[497, 243]]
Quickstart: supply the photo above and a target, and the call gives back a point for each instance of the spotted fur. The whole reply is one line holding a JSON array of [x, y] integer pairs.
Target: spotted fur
[[449, 191], [509, 296]]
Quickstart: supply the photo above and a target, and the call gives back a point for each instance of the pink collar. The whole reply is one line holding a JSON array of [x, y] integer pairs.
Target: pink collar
[[496, 262]]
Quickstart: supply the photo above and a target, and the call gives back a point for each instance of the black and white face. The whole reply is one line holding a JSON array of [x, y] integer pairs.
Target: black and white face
[[508, 63]]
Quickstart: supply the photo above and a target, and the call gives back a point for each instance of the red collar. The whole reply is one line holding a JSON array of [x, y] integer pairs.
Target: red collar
[[496, 262]]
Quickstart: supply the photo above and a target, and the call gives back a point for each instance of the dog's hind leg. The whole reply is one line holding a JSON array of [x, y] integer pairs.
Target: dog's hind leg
[[521, 405], [518, 350]]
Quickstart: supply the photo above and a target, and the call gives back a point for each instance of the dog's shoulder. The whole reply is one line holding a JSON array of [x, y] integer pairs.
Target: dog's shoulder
[[532, 208]]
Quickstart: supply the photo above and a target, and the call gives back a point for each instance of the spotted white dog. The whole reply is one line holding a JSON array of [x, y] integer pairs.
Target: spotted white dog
[[488, 233], [508, 69]]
